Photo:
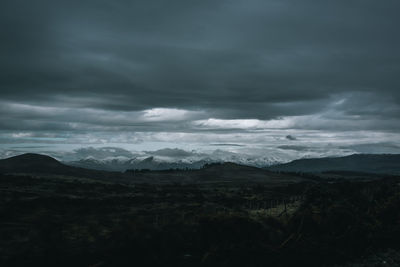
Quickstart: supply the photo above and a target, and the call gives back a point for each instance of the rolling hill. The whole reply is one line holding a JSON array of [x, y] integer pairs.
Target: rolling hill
[[33, 163], [38, 164], [365, 163]]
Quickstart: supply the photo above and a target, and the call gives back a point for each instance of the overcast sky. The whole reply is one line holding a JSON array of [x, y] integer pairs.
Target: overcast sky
[[227, 74]]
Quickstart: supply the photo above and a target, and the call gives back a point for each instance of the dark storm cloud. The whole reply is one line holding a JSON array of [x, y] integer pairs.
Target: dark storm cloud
[[291, 137], [230, 59]]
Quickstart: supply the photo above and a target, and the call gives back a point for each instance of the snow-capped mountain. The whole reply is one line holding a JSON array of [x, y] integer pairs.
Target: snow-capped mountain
[[119, 159], [171, 159]]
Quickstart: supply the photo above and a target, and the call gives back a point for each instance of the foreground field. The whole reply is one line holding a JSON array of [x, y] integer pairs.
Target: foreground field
[[64, 221]]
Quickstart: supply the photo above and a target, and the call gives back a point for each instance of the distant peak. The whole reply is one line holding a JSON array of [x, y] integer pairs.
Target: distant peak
[[148, 159]]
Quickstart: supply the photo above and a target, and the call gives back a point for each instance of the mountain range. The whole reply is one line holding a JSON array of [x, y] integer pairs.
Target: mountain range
[[36, 164], [367, 163]]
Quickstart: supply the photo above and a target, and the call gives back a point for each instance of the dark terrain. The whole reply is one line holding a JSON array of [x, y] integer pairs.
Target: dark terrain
[[221, 215], [366, 163]]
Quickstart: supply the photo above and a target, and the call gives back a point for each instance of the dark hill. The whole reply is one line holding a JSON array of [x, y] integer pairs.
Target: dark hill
[[229, 171], [364, 163], [229, 166], [31, 163]]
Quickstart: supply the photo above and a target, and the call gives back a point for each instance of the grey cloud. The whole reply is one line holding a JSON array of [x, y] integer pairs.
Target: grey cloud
[[136, 55], [385, 148], [228, 144], [77, 67], [101, 153], [293, 147]]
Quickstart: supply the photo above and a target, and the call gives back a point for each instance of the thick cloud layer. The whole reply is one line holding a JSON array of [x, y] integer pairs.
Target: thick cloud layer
[[127, 71]]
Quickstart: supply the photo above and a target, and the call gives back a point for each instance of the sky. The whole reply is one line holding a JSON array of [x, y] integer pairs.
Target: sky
[[282, 78]]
